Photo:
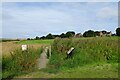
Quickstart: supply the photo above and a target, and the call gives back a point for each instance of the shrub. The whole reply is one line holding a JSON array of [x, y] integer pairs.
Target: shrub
[[20, 62], [86, 51], [118, 31]]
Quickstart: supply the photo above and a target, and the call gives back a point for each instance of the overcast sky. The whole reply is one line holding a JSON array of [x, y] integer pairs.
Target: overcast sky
[[30, 19]]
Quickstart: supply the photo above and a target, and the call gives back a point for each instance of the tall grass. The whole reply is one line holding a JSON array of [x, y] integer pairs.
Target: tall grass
[[20, 62], [47, 41], [87, 51]]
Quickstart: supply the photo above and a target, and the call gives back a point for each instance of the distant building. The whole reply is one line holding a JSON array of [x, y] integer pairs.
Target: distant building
[[104, 33], [78, 35], [109, 33]]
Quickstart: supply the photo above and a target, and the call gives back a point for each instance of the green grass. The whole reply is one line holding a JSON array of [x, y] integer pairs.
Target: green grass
[[19, 62], [95, 57], [87, 51], [98, 70], [49, 41], [90, 71]]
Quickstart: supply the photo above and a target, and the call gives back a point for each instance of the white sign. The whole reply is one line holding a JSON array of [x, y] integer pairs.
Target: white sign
[[70, 50], [24, 47]]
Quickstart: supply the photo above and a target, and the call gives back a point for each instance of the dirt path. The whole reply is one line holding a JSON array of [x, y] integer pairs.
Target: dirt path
[[43, 60]]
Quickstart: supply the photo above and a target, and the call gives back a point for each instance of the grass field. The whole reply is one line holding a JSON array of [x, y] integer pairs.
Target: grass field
[[95, 57], [36, 41], [20, 62], [103, 70], [8, 47], [88, 51], [11, 53]]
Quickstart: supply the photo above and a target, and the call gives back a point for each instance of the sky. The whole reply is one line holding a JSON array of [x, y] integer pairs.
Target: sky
[[30, 19], [60, 0]]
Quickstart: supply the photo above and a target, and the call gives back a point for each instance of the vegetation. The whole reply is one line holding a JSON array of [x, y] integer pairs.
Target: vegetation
[[118, 31], [49, 36], [94, 57], [19, 62], [47, 41], [87, 51], [98, 70], [8, 40], [90, 71], [89, 33]]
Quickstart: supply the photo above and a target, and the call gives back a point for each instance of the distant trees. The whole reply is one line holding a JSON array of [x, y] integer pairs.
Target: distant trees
[[37, 38], [28, 38], [97, 33], [62, 35], [49, 36], [56, 35], [89, 33], [69, 34], [104, 32], [43, 37], [118, 31]]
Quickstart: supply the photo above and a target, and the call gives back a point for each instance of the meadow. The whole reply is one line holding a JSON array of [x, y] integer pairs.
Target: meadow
[[16, 62], [97, 51], [94, 57], [19, 62], [46, 41]]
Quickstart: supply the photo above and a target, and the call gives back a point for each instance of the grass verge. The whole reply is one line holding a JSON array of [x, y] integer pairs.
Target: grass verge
[[49, 41], [19, 62]]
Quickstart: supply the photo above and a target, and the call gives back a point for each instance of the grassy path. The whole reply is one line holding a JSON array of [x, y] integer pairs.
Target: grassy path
[[43, 60], [104, 70]]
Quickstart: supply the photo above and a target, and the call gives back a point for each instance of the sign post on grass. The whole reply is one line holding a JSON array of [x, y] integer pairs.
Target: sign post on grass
[[24, 47], [70, 52]]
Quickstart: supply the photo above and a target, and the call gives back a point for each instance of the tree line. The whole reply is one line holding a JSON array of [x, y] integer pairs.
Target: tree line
[[89, 33]]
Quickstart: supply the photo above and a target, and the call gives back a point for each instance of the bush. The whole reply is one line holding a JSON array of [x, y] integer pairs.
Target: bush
[[19, 62], [118, 31], [86, 51], [89, 33]]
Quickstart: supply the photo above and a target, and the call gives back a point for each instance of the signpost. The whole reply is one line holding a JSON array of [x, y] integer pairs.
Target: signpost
[[24, 47], [71, 49], [70, 52]]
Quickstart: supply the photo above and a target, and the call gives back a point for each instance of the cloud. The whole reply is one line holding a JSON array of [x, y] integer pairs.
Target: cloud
[[0, 21], [107, 12], [21, 19], [60, 0]]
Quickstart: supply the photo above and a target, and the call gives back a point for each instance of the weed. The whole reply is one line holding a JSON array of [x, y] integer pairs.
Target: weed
[[20, 62], [86, 51]]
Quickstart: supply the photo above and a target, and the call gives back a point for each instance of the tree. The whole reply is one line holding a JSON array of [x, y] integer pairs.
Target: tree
[[50, 36], [69, 34], [43, 37], [118, 31], [62, 35], [56, 35], [97, 33], [37, 38], [28, 38], [104, 32], [89, 33]]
